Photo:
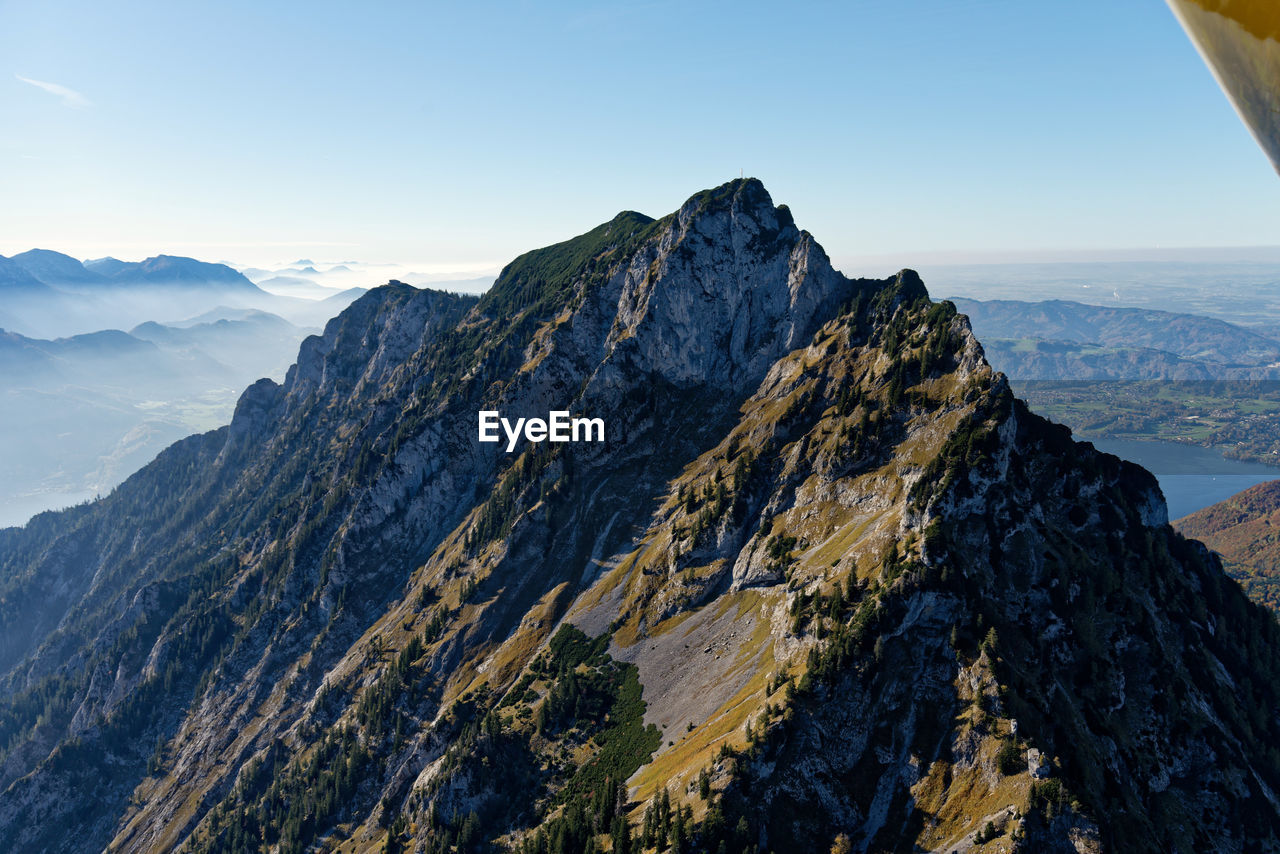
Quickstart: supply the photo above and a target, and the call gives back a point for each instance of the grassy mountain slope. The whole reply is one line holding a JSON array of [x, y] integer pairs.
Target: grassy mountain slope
[[1245, 531]]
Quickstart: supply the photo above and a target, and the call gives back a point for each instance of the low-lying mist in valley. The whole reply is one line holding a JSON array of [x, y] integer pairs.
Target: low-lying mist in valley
[[81, 413], [105, 363]]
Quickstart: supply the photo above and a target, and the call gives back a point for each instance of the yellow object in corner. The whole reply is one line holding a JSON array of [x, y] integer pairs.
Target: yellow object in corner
[[1240, 42]]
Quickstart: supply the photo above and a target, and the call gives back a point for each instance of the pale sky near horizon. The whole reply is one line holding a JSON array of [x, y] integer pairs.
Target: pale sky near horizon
[[432, 135]]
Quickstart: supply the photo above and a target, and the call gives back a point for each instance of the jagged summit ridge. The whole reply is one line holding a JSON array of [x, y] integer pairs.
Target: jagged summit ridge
[[729, 286], [821, 565]]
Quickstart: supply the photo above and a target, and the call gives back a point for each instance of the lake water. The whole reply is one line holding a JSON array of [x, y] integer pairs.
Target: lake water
[[1191, 477]]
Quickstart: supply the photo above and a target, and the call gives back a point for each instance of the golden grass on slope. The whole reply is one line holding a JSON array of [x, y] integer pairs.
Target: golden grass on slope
[[973, 795]]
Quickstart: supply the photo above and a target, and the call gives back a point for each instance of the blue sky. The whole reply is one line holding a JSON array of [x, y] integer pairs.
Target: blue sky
[[429, 134]]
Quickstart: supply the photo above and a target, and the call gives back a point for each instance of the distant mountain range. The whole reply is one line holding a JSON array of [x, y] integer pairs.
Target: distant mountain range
[[218, 343], [17, 280], [47, 294], [1063, 340], [57, 269], [1233, 286]]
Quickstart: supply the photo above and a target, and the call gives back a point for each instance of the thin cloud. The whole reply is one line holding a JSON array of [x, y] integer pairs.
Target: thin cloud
[[70, 97]]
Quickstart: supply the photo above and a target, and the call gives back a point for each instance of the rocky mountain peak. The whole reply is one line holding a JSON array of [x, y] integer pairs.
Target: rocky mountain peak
[[825, 582], [744, 201], [712, 294]]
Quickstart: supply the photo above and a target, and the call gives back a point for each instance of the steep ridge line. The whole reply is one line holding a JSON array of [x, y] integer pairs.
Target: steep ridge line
[[828, 582]]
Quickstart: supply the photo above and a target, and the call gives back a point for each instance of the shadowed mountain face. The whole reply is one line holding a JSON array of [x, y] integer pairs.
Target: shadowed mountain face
[[825, 582], [1245, 530]]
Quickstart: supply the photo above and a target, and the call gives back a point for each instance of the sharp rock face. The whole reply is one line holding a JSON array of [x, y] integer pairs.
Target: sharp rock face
[[825, 585]]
